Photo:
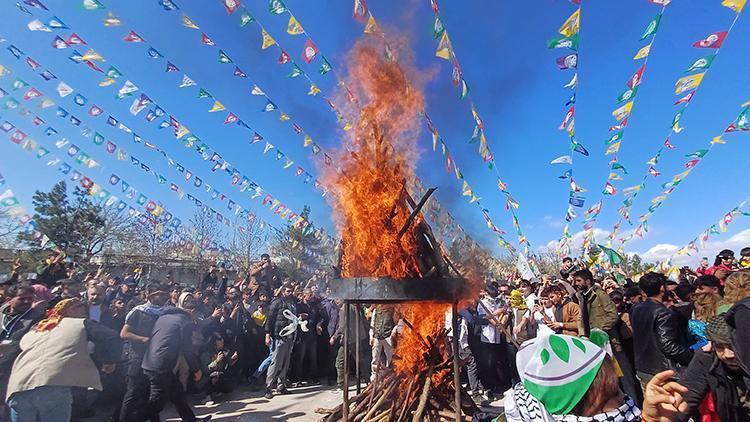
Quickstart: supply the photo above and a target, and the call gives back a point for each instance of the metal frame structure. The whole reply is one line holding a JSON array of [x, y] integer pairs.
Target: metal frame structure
[[357, 291]]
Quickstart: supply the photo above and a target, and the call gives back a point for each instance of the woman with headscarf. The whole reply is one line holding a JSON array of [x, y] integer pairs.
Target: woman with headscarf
[[55, 358], [565, 378]]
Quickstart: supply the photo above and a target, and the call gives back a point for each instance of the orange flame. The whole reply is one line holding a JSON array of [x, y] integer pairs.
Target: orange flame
[[368, 208]]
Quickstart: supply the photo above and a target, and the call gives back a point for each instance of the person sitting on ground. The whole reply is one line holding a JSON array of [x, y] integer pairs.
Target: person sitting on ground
[[568, 379], [218, 363]]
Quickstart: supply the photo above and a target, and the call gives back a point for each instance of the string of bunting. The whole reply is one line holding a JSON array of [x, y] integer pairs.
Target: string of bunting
[[626, 102], [741, 123], [11, 207], [570, 39], [446, 51], [156, 213], [181, 133], [83, 158], [219, 106], [687, 87], [95, 111]]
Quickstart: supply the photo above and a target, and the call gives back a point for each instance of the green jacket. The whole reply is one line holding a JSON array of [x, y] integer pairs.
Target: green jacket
[[602, 314]]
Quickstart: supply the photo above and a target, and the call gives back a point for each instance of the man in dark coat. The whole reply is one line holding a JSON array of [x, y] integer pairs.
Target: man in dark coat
[[280, 339], [171, 337], [16, 318], [717, 372]]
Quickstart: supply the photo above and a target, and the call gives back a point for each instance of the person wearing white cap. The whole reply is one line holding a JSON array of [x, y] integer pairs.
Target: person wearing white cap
[[565, 378]]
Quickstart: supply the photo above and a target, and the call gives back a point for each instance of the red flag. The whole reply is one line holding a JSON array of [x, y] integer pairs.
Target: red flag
[[284, 57], [92, 65], [692, 163], [621, 125], [434, 6], [309, 51], [360, 10], [32, 93], [231, 118], [685, 99], [133, 37], [456, 74], [714, 40], [74, 39], [231, 5], [652, 171], [635, 80], [95, 111], [668, 144], [206, 40]]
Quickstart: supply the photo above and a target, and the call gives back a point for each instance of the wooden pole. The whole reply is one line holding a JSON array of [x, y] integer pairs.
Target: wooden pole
[[346, 362], [456, 366]]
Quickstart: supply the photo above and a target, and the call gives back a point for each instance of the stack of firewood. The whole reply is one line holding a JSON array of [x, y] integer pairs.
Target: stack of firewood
[[426, 393]]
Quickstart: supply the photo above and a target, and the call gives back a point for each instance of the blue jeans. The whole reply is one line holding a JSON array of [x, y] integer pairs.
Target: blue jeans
[[263, 367], [42, 404]]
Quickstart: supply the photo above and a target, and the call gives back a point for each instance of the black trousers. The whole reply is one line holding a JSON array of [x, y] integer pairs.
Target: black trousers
[[165, 386], [305, 358], [133, 407]]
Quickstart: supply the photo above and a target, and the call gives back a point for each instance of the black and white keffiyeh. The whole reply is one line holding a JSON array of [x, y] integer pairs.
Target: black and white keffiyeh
[[520, 406]]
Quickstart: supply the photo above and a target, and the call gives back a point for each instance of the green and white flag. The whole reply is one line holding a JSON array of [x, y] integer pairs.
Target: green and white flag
[[627, 95], [652, 27], [702, 63], [570, 42]]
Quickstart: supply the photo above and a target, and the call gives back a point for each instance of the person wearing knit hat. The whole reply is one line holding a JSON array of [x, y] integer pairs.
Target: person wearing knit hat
[[565, 378], [716, 390]]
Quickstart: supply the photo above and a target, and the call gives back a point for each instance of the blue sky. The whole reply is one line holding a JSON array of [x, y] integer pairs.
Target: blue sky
[[513, 78]]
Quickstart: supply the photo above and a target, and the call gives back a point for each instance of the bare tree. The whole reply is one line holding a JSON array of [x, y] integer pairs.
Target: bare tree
[[9, 229], [247, 243], [206, 231]]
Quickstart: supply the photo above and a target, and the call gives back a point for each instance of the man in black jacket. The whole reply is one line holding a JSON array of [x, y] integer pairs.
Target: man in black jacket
[[171, 337], [281, 345], [716, 372], [658, 340]]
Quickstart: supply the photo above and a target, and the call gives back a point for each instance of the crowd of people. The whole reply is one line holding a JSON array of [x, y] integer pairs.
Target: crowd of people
[[577, 343]]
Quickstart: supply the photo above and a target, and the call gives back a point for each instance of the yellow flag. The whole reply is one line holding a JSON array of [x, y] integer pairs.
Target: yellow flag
[[735, 5], [642, 53], [283, 117], [718, 140], [572, 24], [623, 111], [688, 82], [676, 127], [267, 40], [614, 176], [347, 127], [216, 107], [189, 23], [294, 28], [314, 90], [372, 27], [92, 55], [106, 82], [308, 141], [613, 148], [466, 189], [4, 71], [444, 47]]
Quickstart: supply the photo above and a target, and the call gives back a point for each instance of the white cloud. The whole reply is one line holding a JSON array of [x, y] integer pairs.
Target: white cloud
[[576, 241]]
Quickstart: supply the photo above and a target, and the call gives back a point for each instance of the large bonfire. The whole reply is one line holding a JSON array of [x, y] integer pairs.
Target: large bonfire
[[375, 165]]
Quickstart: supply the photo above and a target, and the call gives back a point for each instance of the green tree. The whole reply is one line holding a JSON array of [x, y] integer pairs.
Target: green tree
[[73, 222], [300, 250]]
